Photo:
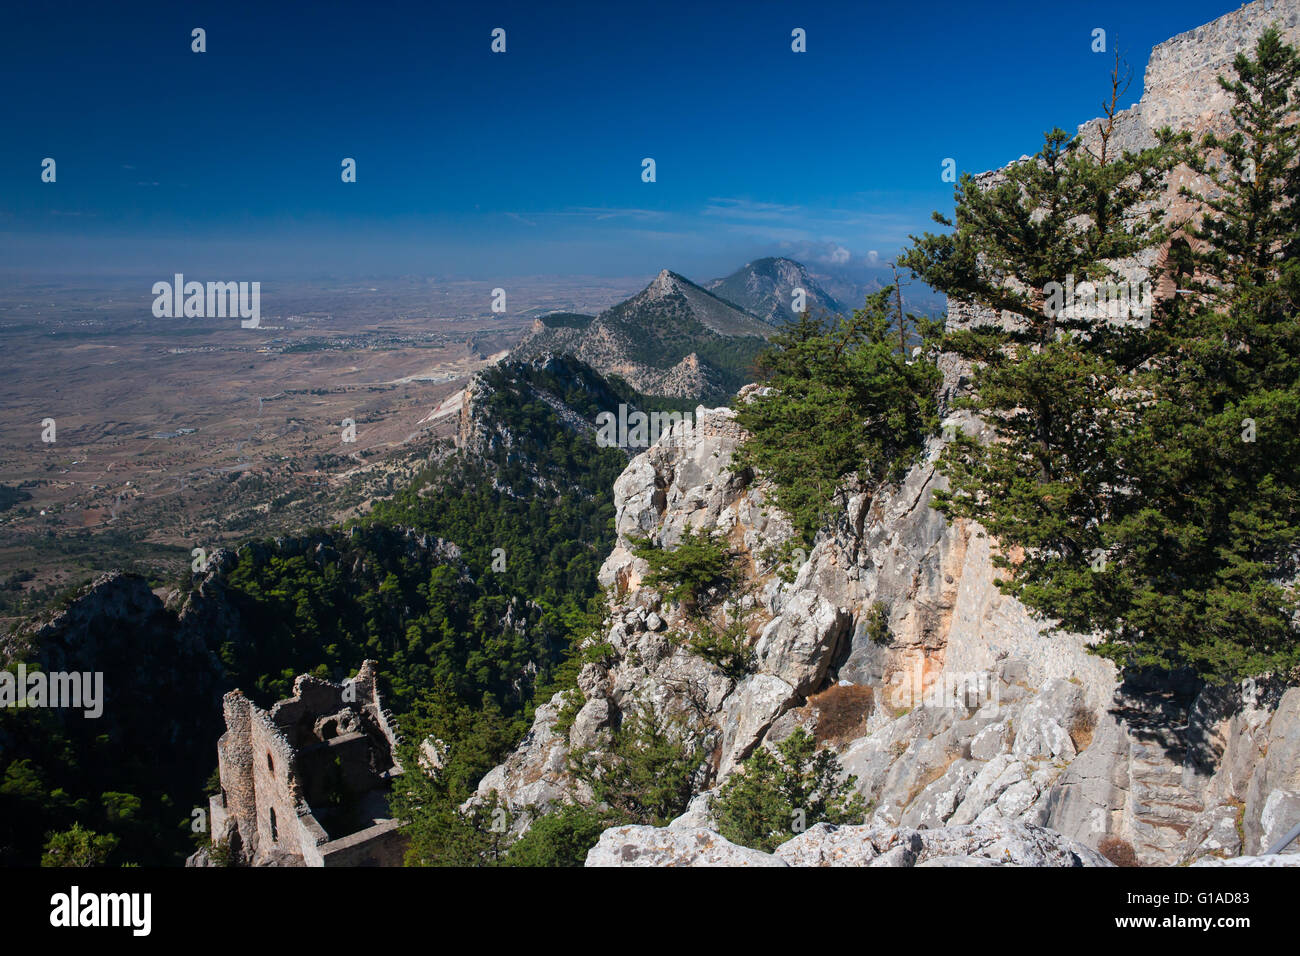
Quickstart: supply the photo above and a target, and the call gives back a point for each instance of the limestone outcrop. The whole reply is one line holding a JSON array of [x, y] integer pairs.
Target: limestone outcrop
[[969, 714], [986, 844]]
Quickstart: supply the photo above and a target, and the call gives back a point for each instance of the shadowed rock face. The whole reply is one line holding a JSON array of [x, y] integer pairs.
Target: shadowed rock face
[[162, 681]]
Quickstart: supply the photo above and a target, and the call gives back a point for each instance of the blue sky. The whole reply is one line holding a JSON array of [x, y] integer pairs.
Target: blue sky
[[477, 164]]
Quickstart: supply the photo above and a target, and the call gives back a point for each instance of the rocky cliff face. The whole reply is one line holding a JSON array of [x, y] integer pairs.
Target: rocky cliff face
[[954, 707], [961, 712], [967, 714]]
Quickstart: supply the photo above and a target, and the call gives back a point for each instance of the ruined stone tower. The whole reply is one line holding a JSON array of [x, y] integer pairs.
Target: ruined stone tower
[[306, 783]]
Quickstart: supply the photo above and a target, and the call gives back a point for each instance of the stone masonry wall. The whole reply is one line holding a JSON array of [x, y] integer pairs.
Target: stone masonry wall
[[263, 811]]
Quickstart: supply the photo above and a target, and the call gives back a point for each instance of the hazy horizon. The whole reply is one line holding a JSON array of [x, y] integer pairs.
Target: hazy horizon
[[483, 165]]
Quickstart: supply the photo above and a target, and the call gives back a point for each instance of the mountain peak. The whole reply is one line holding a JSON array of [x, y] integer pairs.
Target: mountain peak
[[664, 283], [672, 338], [768, 287], [677, 299], [667, 282]]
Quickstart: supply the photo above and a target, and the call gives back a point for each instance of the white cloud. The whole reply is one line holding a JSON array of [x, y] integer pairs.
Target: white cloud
[[606, 212], [729, 208]]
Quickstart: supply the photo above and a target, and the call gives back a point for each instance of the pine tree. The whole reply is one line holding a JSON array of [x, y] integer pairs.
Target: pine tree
[[647, 773], [1047, 375], [1250, 228], [843, 399], [778, 793], [1206, 549], [1149, 474], [1053, 381]]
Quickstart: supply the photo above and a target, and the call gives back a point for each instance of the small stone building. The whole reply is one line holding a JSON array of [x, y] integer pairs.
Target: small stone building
[[306, 783]]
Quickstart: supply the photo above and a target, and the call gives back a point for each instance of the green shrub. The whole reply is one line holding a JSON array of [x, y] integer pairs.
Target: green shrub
[[700, 562], [220, 854], [571, 703], [728, 647], [78, 847], [844, 399], [646, 773], [877, 624], [561, 837], [775, 795]]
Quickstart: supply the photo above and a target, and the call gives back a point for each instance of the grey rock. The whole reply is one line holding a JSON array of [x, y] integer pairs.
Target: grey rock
[[1016, 799], [1000, 844], [591, 678], [1043, 728], [1087, 795], [1280, 815], [746, 715], [797, 645], [1219, 835], [989, 742], [433, 755], [1277, 859], [1009, 844], [989, 784], [929, 755], [957, 861], [936, 803], [661, 846], [591, 724], [828, 845], [698, 814]]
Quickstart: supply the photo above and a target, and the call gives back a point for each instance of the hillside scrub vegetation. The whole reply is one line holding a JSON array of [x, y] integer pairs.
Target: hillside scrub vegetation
[[843, 398], [778, 793]]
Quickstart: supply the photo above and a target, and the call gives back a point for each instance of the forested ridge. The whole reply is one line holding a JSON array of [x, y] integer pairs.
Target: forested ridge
[[465, 587]]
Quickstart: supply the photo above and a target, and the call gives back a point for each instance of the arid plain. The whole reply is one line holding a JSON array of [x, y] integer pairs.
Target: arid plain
[[175, 434]]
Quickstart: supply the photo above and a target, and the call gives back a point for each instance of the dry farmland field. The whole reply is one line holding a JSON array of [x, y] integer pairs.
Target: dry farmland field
[[172, 434]]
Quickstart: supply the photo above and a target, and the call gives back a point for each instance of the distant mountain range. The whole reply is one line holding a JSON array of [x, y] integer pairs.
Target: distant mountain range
[[678, 339], [769, 288]]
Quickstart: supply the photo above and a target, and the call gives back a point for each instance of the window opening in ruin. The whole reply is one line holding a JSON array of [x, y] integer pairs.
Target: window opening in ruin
[[275, 831]]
